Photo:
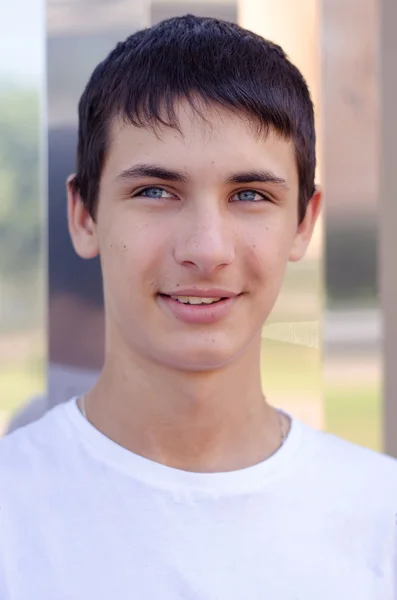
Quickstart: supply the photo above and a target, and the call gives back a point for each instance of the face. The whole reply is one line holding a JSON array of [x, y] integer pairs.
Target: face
[[194, 231]]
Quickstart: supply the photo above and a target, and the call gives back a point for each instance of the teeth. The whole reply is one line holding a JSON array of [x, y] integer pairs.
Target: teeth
[[195, 300]]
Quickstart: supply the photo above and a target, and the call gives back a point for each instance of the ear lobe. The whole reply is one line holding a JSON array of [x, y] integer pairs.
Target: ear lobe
[[82, 227], [306, 227]]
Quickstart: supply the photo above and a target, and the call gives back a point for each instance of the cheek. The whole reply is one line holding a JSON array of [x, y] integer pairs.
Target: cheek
[[267, 253], [131, 252]]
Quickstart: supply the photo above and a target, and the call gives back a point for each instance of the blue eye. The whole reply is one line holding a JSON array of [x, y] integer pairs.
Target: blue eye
[[249, 196], [154, 192]]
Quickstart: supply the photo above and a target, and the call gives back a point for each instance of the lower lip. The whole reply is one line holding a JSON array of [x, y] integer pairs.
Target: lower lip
[[199, 314]]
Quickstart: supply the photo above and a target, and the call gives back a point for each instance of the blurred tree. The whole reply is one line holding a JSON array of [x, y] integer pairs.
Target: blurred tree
[[21, 211], [20, 207]]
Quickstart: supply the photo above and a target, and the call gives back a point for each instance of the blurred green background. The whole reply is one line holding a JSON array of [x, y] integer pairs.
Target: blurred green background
[[22, 238]]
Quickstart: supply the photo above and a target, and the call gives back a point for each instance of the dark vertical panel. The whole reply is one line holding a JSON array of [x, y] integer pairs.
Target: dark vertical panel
[[79, 35]]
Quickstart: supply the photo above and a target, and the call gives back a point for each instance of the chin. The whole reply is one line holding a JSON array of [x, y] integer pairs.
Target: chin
[[205, 365], [196, 359]]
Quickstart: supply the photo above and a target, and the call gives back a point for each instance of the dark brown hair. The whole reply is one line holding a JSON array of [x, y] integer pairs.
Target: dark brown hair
[[188, 58]]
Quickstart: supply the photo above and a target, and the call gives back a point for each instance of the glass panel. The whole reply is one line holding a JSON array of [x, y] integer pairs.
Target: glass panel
[[292, 341], [353, 357], [80, 33], [22, 211]]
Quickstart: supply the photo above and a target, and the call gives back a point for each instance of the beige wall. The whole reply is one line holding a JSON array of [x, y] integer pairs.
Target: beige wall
[[295, 27]]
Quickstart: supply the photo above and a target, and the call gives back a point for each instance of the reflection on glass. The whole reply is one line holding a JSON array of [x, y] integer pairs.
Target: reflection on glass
[[78, 38], [292, 340], [291, 357]]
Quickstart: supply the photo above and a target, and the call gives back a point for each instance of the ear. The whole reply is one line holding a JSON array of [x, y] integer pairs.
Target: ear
[[306, 227], [82, 227]]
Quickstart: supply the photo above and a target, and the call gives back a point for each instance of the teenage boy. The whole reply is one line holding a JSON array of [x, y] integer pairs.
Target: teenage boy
[[174, 477]]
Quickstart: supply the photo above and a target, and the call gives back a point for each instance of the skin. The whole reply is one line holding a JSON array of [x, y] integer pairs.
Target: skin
[[186, 395]]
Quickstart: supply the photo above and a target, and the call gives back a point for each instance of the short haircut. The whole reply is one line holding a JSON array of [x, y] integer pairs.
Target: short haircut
[[185, 58]]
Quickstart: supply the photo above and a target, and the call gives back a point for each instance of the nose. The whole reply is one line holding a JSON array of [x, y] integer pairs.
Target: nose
[[205, 242]]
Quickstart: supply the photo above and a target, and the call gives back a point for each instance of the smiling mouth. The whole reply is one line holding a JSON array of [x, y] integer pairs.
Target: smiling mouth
[[194, 300], [199, 309]]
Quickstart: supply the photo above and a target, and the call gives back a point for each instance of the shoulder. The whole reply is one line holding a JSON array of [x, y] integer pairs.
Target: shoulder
[[33, 464], [26, 450], [349, 466], [35, 408], [31, 473], [332, 447]]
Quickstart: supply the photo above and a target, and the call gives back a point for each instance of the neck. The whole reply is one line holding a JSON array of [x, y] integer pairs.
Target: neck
[[211, 421]]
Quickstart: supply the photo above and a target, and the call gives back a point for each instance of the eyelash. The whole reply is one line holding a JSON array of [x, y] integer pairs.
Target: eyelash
[[263, 196]]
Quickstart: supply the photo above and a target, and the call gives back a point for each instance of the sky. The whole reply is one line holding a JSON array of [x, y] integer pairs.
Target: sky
[[22, 41]]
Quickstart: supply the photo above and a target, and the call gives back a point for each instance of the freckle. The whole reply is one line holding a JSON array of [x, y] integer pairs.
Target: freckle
[[254, 245]]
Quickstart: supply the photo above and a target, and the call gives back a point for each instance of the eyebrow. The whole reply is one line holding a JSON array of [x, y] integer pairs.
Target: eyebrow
[[153, 171], [158, 172], [257, 176]]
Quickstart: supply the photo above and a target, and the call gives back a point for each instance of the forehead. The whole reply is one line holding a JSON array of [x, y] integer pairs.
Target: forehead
[[215, 141]]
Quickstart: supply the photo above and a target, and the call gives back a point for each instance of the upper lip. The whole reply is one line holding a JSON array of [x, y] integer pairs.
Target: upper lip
[[204, 293]]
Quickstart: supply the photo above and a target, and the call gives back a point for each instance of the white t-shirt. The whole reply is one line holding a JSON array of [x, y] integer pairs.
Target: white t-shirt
[[82, 518]]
